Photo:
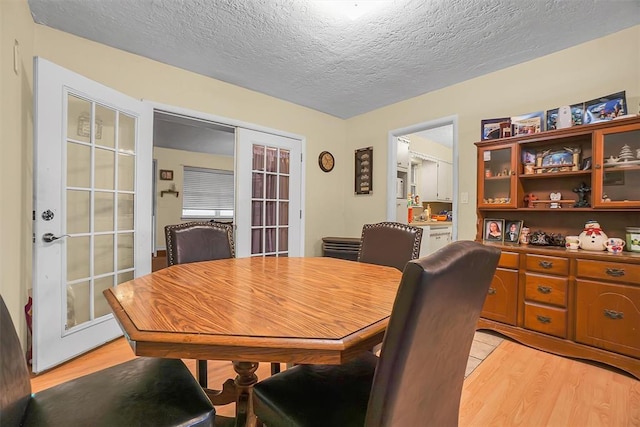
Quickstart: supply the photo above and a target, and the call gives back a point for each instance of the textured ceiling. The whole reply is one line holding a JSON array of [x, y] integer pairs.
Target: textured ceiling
[[297, 51]]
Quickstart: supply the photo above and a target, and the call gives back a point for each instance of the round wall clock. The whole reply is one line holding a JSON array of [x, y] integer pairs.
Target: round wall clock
[[326, 161]]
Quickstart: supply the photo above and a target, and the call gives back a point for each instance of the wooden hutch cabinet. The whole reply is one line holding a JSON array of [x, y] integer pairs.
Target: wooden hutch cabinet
[[576, 303]]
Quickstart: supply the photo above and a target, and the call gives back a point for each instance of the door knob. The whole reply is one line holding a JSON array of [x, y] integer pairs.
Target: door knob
[[49, 237]]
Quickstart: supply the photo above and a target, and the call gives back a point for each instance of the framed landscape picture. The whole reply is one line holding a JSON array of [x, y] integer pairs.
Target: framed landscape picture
[[493, 128], [606, 108], [527, 123]]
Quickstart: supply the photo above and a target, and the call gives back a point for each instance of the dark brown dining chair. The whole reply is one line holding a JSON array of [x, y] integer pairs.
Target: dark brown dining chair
[[198, 241], [201, 241], [142, 391], [389, 243], [418, 378]]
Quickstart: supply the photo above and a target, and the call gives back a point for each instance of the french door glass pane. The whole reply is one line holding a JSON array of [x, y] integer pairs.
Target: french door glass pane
[[78, 165], [78, 208], [103, 211], [100, 198], [270, 196], [105, 127], [78, 253]]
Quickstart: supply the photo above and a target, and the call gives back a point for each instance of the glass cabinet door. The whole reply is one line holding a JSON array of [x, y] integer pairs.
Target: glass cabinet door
[[617, 167], [497, 177]]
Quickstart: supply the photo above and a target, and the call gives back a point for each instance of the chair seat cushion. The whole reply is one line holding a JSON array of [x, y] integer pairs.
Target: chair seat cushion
[[317, 395], [140, 392]]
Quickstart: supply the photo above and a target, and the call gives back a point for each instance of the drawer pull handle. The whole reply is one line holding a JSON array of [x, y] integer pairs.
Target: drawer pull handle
[[615, 272], [543, 319], [492, 291], [545, 264], [544, 289], [612, 314]]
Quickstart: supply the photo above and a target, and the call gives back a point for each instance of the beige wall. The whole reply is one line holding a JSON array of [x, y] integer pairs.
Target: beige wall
[[16, 162], [600, 67], [597, 68], [169, 207], [150, 80]]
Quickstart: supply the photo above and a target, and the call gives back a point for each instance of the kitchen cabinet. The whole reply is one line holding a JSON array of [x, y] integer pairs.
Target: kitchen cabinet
[[403, 158], [434, 237], [437, 181]]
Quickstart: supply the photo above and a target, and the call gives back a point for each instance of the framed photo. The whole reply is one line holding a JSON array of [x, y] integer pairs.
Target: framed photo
[[586, 164], [552, 118], [166, 175], [512, 230], [577, 114], [606, 108], [493, 128], [493, 230], [557, 159], [527, 123]]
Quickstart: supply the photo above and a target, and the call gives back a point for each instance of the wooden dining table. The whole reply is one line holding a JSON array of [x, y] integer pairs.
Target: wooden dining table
[[313, 310]]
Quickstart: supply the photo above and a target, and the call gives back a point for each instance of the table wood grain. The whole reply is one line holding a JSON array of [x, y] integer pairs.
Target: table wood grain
[[295, 310]]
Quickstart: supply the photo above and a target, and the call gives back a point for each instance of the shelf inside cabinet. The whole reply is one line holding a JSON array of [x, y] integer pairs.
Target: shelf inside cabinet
[[554, 174]]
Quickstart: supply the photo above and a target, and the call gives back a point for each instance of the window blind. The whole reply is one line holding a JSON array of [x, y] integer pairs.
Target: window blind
[[207, 190]]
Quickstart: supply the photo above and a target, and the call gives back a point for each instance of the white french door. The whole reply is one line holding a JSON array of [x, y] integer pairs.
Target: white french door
[[92, 208], [268, 201]]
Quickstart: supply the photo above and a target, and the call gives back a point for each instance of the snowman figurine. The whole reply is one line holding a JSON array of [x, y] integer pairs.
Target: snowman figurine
[[592, 237]]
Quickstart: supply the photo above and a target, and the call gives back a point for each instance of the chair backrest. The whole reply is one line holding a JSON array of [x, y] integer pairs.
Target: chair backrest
[[198, 241], [390, 243], [420, 373], [15, 384]]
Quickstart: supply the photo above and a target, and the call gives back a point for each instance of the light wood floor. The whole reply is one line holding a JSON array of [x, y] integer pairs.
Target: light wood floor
[[514, 386]]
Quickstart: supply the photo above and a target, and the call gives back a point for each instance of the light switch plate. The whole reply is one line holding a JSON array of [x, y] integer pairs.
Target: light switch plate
[[464, 197]]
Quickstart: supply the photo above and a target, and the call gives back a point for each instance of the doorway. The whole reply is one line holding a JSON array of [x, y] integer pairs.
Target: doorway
[[186, 148], [402, 181]]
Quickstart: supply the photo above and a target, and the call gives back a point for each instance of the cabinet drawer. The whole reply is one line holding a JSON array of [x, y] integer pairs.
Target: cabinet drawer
[[548, 264], [501, 302], [545, 319], [609, 271], [509, 260], [608, 316], [546, 289]]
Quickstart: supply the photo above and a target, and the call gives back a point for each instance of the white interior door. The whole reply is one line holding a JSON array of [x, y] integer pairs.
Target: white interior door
[[92, 206], [268, 201]]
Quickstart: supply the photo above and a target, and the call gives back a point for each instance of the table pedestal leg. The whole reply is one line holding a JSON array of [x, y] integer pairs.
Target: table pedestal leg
[[244, 385]]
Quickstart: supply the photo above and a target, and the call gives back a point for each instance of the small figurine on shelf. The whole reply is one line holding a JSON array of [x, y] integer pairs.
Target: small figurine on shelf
[[555, 200], [529, 199], [582, 194], [575, 157], [592, 237]]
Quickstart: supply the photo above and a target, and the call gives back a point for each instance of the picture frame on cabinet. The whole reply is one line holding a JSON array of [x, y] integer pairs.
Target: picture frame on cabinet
[[512, 230], [493, 230], [586, 164], [526, 124], [493, 128], [605, 108]]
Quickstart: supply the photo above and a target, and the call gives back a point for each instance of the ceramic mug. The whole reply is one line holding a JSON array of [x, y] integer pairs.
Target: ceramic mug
[[572, 242], [614, 245]]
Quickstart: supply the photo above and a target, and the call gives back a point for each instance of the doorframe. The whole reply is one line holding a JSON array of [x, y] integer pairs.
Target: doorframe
[[393, 170], [199, 115]]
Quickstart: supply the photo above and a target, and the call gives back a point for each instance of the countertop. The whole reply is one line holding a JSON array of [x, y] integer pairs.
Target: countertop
[[430, 223]]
